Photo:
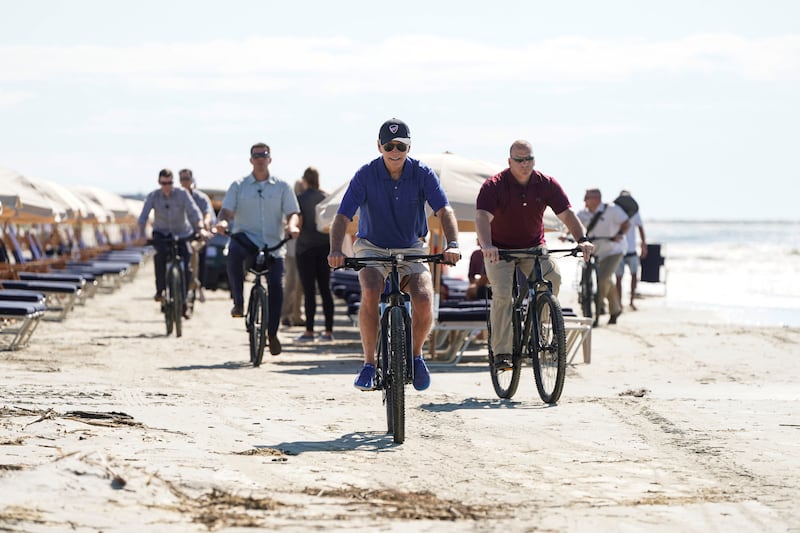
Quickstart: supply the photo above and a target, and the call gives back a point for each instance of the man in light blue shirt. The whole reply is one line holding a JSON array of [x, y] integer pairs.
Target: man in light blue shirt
[[391, 192], [259, 210]]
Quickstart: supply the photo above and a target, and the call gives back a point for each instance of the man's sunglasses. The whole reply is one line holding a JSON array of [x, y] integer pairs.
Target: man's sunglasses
[[166, 182], [259, 155], [523, 159], [388, 147]]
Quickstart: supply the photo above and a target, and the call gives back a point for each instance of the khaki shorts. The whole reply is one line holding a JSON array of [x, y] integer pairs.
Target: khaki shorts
[[363, 248]]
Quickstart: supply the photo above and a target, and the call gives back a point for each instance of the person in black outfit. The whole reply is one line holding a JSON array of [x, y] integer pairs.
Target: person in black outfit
[[311, 254]]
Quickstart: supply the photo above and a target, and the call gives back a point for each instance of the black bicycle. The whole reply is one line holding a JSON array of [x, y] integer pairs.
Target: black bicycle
[[257, 316], [172, 303], [538, 332], [395, 366]]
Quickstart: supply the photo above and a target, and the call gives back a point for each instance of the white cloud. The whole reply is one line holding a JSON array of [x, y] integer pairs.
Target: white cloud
[[12, 98], [275, 64]]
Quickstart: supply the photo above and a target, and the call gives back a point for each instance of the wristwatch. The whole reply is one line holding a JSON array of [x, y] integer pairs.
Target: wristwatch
[[452, 244], [583, 239]]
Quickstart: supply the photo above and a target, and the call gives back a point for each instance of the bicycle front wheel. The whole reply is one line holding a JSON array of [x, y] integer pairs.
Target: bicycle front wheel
[[505, 380], [257, 324], [549, 351], [175, 288], [397, 374]]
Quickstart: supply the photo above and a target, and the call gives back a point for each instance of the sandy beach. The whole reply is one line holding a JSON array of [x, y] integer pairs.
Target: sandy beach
[[678, 424]]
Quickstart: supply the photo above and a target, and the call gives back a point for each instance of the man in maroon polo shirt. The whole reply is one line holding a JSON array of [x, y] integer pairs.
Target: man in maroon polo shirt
[[510, 211]]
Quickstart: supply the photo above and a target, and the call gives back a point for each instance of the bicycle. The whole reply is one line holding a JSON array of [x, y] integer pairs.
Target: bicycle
[[173, 301], [395, 368], [538, 331], [257, 316]]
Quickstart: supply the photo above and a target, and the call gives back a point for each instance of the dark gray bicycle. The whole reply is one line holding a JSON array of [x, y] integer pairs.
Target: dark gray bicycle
[[538, 332], [172, 304], [395, 366], [257, 316]]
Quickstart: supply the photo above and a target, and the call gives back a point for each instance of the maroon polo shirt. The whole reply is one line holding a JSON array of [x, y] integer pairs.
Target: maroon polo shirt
[[518, 210]]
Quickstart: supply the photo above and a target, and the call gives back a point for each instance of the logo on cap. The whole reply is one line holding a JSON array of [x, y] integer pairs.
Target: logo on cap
[[393, 128]]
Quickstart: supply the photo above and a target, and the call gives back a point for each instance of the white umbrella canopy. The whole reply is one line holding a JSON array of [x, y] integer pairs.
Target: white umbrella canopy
[[461, 179], [74, 208], [96, 213], [112, 202], [23, 202]]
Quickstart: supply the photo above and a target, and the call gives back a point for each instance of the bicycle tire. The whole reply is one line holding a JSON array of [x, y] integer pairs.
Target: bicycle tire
[[506, 382], [166, 305], [382, 371], [397, 373], [548, 352], [176, 287], [257, 324], [589, 296]]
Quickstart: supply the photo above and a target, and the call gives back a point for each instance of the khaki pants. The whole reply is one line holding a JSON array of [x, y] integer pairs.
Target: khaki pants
[[606, 267]]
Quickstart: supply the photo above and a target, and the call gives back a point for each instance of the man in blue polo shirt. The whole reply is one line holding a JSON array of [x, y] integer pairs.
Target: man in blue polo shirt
[[391, 192]]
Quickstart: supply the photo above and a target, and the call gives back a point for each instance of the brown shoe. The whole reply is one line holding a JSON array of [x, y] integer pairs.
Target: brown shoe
[[187, 313], [237, 311], [274, 345], [613, 318]]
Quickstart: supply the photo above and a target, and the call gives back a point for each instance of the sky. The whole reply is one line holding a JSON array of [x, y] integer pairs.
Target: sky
[[692, 106]]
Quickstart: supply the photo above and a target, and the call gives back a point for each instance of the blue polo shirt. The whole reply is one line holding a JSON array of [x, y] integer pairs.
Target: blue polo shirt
[[392, 212], [259, 209]]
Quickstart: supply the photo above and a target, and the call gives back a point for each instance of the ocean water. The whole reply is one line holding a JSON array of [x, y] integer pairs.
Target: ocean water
[[740, 272], [746, 272]]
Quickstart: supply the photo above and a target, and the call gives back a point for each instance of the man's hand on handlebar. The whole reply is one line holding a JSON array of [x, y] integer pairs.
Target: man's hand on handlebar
[[221, 227], [336, 259], [586, 249], [490, 254]]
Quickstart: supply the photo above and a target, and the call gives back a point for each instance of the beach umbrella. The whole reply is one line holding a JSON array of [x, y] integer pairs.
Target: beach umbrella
[[72, 207], [461, 179], [96, 212], [113, 203], [23, 203]]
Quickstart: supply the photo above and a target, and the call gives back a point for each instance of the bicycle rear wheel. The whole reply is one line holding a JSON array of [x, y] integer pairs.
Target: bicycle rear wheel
[[397, 374], [549, 354], [257, 324]]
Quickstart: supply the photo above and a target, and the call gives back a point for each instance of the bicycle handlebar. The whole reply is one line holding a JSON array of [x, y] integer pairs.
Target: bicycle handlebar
[[357, 263], [264, 259], [515, 254], [173, 238], [267, 249]]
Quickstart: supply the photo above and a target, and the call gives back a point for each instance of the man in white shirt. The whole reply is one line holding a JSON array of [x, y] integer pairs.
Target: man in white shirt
[[633, 256], [606, 225]]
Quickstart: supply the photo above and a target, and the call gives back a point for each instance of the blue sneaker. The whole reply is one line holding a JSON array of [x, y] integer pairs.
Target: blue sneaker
[[422, 378], [366, 378]]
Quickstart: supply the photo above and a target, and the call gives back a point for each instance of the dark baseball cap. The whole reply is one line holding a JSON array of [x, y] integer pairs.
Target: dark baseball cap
[[394, 130]]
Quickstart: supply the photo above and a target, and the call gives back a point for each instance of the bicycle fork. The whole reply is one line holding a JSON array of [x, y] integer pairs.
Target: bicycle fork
[[385, 342]]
